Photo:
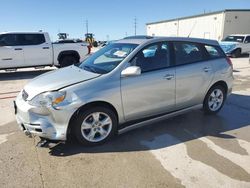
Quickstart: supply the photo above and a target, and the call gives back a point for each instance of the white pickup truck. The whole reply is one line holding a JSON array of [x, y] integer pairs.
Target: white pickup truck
[[235, 45], [34, 49]]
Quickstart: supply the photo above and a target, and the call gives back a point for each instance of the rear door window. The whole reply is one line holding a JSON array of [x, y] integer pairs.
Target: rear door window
[[247, 40], [187, 52], [32, 39]]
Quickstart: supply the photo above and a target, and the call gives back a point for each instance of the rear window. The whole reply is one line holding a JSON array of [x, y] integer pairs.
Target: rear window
[[31, 39], [214, 52]]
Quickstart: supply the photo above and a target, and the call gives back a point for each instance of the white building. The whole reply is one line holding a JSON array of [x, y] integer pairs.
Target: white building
[[214, 25]]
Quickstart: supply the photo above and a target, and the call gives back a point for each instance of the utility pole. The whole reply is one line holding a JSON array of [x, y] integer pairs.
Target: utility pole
[[135, 24], [87, 26]]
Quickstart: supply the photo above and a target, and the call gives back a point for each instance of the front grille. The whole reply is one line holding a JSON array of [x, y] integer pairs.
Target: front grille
[[25, 95]]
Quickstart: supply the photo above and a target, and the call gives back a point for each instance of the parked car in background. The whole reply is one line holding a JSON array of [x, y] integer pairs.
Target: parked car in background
[[235, 45], [126, 84], [34, 49]]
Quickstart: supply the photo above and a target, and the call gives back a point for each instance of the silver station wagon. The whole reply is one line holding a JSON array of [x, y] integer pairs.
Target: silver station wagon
[[127, 84]]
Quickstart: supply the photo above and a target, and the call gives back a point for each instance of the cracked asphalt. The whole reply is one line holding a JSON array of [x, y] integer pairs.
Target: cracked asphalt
[[191, 150]]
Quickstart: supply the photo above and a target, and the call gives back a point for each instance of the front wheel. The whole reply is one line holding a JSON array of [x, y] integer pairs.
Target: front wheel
[[214, 100], [95, 125]]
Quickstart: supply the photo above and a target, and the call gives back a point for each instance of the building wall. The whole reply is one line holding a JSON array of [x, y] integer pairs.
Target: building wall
[[207, 26], [236, 22], [163, 29]]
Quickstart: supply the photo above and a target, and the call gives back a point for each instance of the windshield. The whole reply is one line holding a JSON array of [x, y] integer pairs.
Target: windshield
[[107, 58], [234, 38]]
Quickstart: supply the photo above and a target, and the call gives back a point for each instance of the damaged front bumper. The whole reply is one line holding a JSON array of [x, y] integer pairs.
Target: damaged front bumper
[[46, 123]]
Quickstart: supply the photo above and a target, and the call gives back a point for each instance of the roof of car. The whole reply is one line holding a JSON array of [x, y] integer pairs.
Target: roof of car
[[158, 39], [131, 41], [22, 32], [139, 37]]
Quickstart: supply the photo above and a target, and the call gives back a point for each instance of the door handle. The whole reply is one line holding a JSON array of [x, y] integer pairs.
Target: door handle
[[169, 76], [46, 47], [7, 59], [18, 49], [206, 69]]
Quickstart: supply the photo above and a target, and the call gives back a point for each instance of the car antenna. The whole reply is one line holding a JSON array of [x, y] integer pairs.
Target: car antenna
[[192, 29]]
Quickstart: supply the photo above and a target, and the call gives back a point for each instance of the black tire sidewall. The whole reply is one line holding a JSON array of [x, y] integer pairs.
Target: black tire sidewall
[[83, 114], [205, 104], [236, 53], [67, 61]]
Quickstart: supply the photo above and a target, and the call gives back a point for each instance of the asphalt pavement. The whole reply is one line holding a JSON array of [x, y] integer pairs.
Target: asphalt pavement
[[191, 150]]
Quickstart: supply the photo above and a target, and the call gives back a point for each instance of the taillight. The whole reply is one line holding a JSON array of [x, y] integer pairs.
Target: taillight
[[229, 61], [89, 49]]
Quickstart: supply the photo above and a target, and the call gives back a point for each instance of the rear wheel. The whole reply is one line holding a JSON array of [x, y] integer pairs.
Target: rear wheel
[[68, 60], [95, 126], [214, 100], [236, 53]]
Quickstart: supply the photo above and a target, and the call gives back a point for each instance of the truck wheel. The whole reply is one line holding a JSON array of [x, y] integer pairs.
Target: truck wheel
[[236, 53], [95, 125], [95, 44], [67, 61]]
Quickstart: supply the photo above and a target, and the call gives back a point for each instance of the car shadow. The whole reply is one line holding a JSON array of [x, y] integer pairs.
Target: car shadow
[[184, 128], [244, 55], [21, 75], [241, 56]]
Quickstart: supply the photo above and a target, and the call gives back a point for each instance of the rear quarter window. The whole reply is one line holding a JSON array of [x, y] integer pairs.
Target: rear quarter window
[[214, 52]]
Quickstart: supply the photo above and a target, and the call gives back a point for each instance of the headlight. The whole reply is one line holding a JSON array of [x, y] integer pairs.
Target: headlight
[[48, 99]]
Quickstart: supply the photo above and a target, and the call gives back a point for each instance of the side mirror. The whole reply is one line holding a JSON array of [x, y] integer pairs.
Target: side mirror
[[131, 71]]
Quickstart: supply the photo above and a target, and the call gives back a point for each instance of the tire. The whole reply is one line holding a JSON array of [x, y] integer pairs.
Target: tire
[[95, 126], [95, 44], [214, 100], [67, 61], [236, 53]]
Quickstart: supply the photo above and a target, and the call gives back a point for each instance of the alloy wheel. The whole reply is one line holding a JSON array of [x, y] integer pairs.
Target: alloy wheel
[[96, 126], [215, 100]]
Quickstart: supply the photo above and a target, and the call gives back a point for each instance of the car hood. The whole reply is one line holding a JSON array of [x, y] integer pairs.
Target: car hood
[[57, 79]]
